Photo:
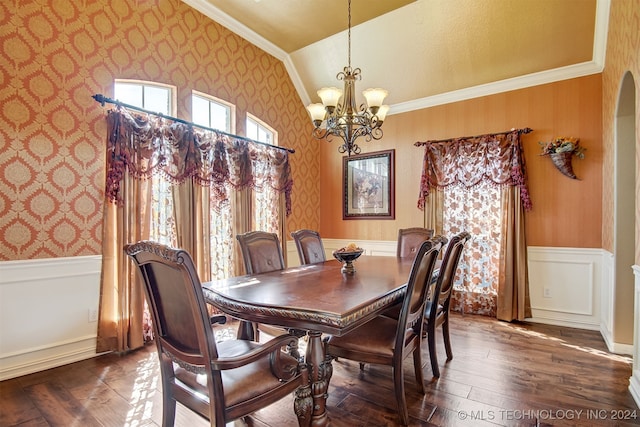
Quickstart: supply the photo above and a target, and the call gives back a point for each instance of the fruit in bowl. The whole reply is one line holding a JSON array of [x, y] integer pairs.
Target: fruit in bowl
[[347, 255]]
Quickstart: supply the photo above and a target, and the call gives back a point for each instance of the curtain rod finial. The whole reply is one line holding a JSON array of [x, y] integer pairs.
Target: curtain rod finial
[[100, 98]]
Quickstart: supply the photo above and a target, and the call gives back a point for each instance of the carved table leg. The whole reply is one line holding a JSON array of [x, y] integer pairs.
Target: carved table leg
[[319, 374], [303, 402]]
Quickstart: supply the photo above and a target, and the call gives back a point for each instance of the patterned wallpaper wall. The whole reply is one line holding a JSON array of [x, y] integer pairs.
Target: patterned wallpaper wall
[[57, 53], [623, 55]]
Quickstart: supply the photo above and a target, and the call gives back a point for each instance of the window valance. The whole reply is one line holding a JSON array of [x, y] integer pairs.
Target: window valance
[[141, 144], [493, 158]]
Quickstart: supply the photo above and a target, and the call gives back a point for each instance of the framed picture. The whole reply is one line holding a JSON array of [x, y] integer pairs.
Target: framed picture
[[369, 186]]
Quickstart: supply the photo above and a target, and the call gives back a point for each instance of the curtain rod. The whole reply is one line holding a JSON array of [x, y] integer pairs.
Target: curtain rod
[[525, 130], [103, 99]]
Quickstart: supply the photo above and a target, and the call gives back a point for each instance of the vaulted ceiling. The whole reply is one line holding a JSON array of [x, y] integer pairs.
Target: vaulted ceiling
[[424, 52]]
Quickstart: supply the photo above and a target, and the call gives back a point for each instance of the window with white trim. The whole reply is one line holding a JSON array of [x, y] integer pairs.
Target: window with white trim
[[150, 96], [260, 131], [215, 113], [158, 98], [212, 112], [265, 201]]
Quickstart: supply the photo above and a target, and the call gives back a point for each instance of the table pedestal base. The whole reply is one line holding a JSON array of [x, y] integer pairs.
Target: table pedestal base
[[320, 371]]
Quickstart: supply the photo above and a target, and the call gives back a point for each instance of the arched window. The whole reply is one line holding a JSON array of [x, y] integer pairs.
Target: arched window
[[266, 204]]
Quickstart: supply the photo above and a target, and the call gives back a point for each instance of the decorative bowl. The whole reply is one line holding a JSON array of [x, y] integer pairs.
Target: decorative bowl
[[346, 257]]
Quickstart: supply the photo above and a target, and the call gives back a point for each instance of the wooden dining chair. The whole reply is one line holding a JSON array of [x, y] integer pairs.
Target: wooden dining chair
[[438, 306], [262, 253], [309, 246], [220, 381], [410, 239], [388, 341]]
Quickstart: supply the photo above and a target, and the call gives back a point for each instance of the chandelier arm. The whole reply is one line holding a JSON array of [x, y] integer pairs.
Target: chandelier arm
[[319, 133], [377, 133]]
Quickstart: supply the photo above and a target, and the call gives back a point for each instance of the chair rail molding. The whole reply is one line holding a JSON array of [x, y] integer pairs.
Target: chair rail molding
[[46, 313]]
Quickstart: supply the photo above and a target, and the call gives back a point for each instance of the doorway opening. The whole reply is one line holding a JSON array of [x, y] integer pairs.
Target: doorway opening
[[622, 303]]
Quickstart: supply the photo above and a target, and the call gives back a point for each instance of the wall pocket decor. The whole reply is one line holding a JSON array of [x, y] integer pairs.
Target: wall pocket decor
[[561, 151]]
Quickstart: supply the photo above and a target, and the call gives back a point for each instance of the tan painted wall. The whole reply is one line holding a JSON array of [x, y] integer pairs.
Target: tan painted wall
[[562, 208]]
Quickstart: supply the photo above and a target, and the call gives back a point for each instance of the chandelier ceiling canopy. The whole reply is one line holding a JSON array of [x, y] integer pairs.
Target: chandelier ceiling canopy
[[338, 115]]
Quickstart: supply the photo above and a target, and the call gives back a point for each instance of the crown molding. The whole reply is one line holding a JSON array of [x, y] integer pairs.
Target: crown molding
[[549, 76], [297, 81], [238, 28], [535, 79], [212, 12]]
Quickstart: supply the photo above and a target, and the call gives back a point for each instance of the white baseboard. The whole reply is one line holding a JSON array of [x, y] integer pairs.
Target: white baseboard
[[634, 381], [53, 355], [550, 320], [634, 387]]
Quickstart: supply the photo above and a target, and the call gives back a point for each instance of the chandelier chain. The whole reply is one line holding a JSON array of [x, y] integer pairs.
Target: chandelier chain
[[349, 33]]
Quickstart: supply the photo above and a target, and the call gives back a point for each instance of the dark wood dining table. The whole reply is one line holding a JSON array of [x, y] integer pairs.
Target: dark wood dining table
[[317, 298]]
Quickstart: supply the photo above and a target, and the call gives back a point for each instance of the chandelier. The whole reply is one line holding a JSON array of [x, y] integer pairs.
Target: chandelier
[[344, 119]]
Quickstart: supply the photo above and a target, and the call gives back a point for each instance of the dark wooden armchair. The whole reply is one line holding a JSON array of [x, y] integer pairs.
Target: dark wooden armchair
[[220, 381], [262, 253], [410, 239], [309, 246], [389, 341], [438, 305]]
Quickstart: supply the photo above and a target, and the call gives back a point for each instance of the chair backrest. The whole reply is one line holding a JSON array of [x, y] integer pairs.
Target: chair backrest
[[410, 239], [261, 252], [444, 285], [413, 306], [180, 318], [309, 246]]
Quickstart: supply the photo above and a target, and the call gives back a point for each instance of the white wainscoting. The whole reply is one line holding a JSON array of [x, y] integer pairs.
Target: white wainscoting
[[634, 381], [565, 286], [607, 300], [44, 313], [371, 247], [44, 304], [607, 306], [573, 279]]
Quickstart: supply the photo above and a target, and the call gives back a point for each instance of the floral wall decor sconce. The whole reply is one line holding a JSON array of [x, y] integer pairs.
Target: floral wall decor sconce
[[561, 151]]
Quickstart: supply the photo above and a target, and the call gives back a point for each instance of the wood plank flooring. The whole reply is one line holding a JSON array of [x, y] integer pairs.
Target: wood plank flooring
[[502, 374]]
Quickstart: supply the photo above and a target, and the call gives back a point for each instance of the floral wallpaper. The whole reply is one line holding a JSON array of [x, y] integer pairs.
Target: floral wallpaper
[[57, 53]]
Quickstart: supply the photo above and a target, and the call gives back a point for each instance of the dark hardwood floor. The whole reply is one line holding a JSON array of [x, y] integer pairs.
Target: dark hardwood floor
[[508, 374]]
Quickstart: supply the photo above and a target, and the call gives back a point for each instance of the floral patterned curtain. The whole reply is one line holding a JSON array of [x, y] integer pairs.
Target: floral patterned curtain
[[174, 183], [493, 158], [478, 184], [142, 145]]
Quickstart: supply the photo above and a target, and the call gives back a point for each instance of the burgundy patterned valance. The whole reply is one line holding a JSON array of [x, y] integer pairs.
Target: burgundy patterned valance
[[494, 158], [141, 144]]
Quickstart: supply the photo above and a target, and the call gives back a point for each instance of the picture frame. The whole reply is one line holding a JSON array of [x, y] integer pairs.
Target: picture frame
[[369, 185]]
